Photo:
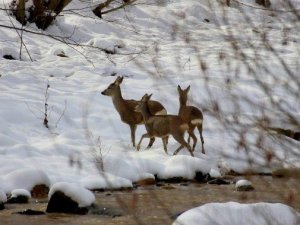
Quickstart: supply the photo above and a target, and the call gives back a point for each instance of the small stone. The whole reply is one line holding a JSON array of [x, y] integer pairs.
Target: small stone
[[31, 212], [244, 185], [9, 57], [218, 181]]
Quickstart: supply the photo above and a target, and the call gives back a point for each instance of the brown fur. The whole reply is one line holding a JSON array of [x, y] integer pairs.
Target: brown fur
[[162, 126], [126, 108], [191, 115]]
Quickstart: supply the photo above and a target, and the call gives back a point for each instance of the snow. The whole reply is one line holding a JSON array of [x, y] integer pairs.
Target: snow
[[243, 182], [78, 194], [25, 178], [79, 116], [233, 213], [105, 181]]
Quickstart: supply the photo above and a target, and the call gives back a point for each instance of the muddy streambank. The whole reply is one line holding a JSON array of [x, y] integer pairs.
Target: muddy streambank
[[158, 204]]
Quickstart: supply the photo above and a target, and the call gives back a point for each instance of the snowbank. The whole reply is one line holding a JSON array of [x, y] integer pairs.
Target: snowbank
[[233, 213], [23, 179], [105, 181]]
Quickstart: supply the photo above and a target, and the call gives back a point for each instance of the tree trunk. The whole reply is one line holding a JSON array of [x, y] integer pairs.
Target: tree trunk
[[98, 10], [20, 12], [265, 3], [42, 13]]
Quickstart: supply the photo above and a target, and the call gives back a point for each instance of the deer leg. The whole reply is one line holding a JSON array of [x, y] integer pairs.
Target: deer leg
[[193, 136], [179, 138], [201, 137], [189, 139], [132, 130], [178, 149], [165, 143], [139, 144], [152, 139], [167, 139]]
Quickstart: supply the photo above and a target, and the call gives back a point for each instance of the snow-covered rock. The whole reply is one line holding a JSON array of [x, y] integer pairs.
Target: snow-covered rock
[[244, 185], [233, 213], [24, 179], [19, 196], [69, 198]]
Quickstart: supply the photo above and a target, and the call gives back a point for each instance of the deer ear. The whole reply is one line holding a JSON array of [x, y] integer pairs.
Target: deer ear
[[178, 88], [119, 80], [149, 96], [144, 97], [188, 88]]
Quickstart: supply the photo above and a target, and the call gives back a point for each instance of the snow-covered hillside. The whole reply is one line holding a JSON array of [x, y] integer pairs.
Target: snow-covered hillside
[[154, 56]]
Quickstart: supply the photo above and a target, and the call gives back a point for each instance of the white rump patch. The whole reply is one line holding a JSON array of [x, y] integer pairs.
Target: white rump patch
[[184, 126], [161, 112], [196, 121]]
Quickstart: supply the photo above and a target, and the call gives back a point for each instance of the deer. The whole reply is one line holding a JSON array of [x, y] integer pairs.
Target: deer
[[191, 115], [126, 108], [162, 126]]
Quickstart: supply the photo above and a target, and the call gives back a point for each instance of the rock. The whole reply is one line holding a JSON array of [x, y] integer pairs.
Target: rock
[[244, 185], [265, 3], [218, 181], [31, 212], [3, 199], [69, 198], [202, 178], [19, 196], [146, 181], [60, 203], [40, 191], [9, 57]]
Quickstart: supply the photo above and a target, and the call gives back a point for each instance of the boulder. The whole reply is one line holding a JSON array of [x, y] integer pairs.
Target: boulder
[[69, 198], [40, 191], [60, 203]]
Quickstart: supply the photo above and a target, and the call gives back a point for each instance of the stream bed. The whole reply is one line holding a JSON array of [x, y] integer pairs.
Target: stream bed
[[158, 204]]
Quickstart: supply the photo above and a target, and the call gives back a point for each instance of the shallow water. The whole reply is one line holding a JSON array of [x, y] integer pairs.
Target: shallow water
[[159, 204]]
